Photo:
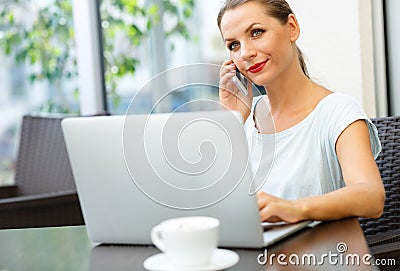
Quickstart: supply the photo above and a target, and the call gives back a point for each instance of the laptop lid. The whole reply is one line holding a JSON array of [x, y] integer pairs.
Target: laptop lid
[[132, 172]]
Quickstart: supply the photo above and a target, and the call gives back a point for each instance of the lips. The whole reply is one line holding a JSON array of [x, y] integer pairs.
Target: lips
[[257, 67]]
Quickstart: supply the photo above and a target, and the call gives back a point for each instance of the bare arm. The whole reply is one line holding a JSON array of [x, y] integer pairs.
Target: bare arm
[[362, 196]]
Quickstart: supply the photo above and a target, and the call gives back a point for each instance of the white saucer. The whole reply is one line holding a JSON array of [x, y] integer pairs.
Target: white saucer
[[221, 259]]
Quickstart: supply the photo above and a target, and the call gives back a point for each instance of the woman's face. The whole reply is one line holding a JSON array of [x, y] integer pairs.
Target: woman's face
[[261, 46]]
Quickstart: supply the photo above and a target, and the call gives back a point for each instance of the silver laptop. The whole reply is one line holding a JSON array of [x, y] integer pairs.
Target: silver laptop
[[132, 172]]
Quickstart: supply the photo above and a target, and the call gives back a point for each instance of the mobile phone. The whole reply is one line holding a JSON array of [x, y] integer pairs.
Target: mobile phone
[[241, 82]]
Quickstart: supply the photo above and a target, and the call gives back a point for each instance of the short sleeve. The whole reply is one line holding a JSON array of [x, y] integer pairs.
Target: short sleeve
[[345, 111]]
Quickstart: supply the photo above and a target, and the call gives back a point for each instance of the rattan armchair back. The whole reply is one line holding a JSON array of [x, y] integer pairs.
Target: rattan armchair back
[[383, 234], [44, 193]]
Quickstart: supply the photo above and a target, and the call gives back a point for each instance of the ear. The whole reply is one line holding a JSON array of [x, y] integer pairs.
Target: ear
[[293, 27]]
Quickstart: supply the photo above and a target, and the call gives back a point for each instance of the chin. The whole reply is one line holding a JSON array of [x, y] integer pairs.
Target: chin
[[261, 82], [265, 79]]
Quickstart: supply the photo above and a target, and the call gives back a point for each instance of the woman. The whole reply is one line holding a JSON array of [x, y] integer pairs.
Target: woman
[[325, 146]]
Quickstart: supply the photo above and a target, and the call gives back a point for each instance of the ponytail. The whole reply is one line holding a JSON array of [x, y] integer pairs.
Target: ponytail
[[302, 62]]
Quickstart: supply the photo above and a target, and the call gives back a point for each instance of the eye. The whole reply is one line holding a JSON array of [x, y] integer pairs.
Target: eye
[[233, 45], [257, 32]]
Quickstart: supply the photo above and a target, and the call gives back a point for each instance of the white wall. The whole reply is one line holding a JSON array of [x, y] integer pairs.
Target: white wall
[[337, 42], [393, 22]]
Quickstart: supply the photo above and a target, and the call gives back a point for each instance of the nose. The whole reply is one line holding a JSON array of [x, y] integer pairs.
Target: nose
[[247, 50]]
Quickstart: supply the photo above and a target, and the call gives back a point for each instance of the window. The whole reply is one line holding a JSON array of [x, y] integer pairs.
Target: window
[[180, 34], [38, 72]]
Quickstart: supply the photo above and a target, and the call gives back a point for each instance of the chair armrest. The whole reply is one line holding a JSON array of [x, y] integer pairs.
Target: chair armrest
[[386, 251], [383, 238], [8, 191], [39, 200]]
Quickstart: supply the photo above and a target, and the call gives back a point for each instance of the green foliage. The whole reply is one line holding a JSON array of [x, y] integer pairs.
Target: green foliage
[[47, 44]]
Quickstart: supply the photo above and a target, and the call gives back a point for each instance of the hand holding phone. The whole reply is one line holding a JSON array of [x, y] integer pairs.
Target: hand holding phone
[[241, 83]]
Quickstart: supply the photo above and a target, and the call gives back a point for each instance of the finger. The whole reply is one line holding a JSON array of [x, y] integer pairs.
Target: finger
[[267, 214], [260, 193], [228, 72], [227, 62], [261, 204], [228, 65], [226, 78], [273, 219], [226, 83], [262, 200], [270, 211]]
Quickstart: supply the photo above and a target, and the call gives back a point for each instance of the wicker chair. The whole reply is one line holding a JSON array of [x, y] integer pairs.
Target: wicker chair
[[383, 234], [44, 193]]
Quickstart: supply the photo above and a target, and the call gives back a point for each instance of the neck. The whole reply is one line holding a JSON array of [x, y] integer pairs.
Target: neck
[[290, 91]]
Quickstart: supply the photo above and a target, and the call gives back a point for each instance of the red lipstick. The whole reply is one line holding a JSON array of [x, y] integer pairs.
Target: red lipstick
[[257, 67]]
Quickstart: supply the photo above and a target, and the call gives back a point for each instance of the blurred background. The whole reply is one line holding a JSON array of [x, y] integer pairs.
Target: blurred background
[[92, 57]]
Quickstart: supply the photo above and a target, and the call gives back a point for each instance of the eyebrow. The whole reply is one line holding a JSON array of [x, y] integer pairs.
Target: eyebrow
[[246, 30]]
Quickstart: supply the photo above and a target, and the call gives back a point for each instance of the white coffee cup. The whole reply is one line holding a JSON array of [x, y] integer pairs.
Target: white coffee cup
[[187, 241]]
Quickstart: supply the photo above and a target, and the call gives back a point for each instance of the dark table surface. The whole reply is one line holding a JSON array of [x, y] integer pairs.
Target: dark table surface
[[336, 245]]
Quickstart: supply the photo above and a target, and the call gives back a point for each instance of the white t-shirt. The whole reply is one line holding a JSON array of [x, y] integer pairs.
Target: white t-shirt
[[301, 161]]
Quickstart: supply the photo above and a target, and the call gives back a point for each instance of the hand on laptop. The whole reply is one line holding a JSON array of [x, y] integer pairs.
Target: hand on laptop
[[273, 209]]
